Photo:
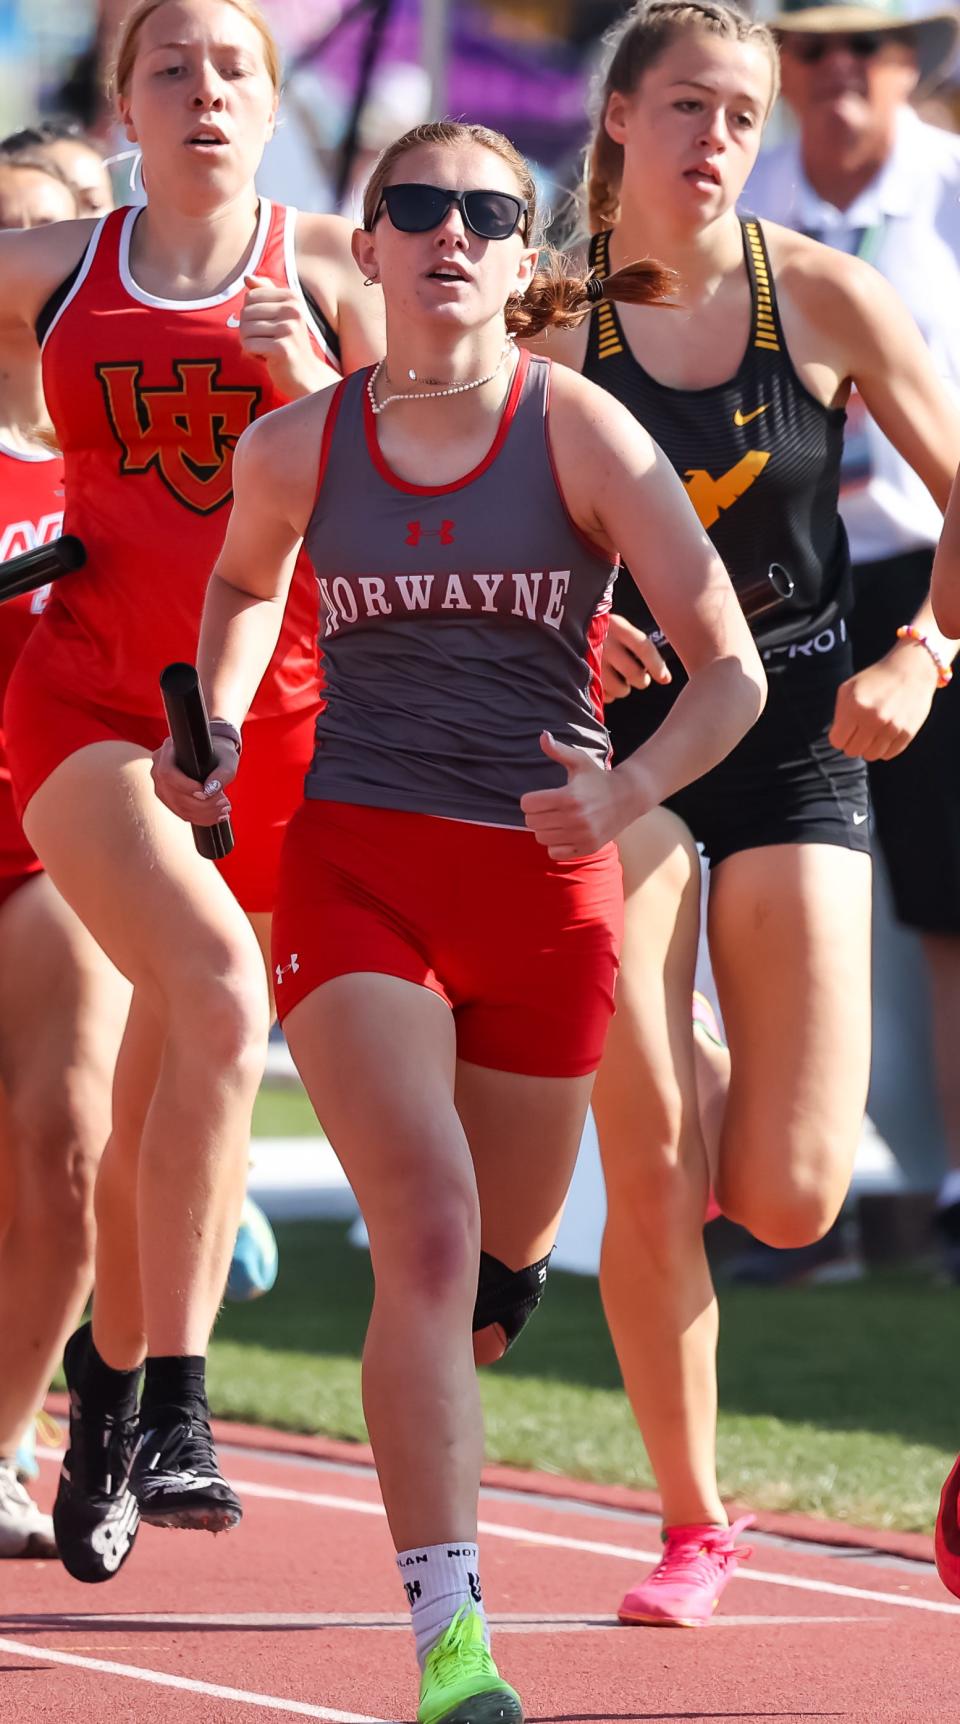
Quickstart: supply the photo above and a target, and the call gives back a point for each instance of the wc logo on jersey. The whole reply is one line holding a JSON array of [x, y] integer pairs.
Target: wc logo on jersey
[[711, 496], [187, 431]]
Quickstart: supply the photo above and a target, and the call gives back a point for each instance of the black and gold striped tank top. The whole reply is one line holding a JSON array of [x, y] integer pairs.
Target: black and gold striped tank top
[[759, 456]]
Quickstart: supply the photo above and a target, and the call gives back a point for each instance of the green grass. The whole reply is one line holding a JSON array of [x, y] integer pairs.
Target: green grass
[[836, 1401], [283, 1113]]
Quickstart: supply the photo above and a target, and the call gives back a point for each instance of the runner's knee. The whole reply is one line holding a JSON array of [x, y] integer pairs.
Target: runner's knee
[[427, 1252], [655, 1176], [506, 1301], [56, 1173], [786, 1211], [223, 1020]]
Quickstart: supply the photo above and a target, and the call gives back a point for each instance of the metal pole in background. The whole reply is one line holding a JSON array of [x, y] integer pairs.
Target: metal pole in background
[[435, 51], [368, 65]]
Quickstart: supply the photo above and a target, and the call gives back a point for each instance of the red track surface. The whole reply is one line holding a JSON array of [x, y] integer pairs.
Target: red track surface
[[298, 1613]]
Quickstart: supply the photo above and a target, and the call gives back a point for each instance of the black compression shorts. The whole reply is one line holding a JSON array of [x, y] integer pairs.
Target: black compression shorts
[[784, 783]]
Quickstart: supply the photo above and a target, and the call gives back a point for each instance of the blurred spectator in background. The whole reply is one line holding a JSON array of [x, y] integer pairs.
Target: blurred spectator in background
[[33, 194], [866, 174], [78, 160]]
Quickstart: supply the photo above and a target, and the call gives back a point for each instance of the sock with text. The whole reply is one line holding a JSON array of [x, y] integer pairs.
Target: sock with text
[[438, 1580]]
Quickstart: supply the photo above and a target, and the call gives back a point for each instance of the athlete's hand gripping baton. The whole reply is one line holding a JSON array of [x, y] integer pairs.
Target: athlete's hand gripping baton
[[39, 568], [193, 747]]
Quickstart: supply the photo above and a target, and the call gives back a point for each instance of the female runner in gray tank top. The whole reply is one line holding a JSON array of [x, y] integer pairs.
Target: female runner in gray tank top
[[446, 946]]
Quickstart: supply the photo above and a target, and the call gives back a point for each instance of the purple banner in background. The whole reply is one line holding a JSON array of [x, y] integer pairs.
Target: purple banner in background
[[535, 93]]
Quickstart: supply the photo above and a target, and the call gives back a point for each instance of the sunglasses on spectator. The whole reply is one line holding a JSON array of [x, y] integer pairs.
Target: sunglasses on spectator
[[812, 49], [415, 208]]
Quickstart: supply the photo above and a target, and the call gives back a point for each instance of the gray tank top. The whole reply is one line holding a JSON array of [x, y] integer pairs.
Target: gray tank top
[[457, 623]]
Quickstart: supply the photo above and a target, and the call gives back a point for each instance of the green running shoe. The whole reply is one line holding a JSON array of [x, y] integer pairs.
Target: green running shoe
[[461, 1684]]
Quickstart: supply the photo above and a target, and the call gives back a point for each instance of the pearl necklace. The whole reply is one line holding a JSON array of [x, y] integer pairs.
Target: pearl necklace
[[431, 394]]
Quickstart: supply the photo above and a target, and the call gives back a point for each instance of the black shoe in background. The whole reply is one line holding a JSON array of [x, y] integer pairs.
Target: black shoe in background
[[834, 1258]]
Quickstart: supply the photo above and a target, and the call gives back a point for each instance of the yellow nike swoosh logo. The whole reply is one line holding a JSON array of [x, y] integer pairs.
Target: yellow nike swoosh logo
[[745, 418]]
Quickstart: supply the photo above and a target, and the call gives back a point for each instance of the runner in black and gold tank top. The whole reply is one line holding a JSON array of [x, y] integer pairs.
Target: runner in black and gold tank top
[[760, 457], [743, 382]]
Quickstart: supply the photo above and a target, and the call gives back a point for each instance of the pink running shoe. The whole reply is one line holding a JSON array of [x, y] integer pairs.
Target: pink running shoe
[[684, 1589]]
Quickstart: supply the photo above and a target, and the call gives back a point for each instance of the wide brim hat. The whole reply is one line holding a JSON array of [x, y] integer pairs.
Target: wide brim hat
[[934, 35]]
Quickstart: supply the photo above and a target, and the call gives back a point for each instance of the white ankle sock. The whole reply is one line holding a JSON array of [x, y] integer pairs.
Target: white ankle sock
[[438, 1579]]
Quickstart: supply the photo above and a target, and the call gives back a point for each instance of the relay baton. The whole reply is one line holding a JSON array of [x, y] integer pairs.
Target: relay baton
[[38, 568], [766, 592], [758, 596], [193, 748]]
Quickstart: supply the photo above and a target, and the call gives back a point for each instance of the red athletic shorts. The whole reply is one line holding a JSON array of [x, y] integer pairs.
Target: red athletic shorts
[[18, 864], [524, 950], [45, 724]]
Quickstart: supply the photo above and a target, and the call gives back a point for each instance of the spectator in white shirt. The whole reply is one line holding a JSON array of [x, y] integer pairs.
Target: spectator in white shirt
[[864, 173]]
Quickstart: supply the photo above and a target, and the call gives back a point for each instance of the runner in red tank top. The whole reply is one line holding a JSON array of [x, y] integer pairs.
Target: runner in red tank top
[[62, 1004], [447, 931], [166, 331]]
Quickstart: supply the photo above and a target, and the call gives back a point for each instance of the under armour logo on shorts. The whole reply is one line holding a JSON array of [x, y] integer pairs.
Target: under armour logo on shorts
[[287, 969]]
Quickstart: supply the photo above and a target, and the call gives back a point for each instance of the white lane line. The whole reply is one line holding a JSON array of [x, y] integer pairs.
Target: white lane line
[[591, 1547], [515, 1622], [595, 1547], [162, 1679]]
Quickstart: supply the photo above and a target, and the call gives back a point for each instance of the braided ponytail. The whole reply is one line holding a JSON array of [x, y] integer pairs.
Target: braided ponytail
[[603, 178], [557, 298]]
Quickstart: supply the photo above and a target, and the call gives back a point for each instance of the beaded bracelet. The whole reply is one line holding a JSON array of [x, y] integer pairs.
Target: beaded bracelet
[[909, 633]]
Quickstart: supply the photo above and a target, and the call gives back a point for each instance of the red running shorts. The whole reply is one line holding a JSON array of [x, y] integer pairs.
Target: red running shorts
[[523, 950], [45, 724], [18, 864]]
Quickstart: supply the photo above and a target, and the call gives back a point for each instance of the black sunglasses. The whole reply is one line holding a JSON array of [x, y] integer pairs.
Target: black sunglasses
[[417, 208], [812, 49]]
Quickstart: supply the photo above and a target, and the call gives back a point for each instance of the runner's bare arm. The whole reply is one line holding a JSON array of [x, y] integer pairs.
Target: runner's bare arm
[[945, 587], [274, 485], [875, 343], [33, 264], [864, 325], [328, 268], [621, 491], [273, 323]]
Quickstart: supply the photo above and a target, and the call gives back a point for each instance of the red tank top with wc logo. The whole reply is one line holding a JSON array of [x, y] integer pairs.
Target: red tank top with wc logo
[[149, 398], [31, 515]]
